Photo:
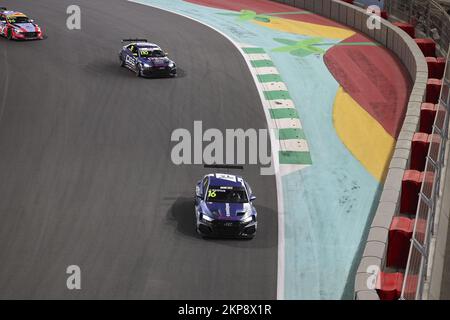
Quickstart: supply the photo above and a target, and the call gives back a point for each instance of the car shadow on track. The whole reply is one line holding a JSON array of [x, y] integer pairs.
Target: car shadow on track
[[111, 68], [182, 215]]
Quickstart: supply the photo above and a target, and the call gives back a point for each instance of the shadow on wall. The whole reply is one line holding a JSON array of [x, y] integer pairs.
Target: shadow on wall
[[349, 289]]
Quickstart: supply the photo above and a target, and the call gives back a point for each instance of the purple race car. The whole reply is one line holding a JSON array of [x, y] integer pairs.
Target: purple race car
[[224, 207], [146, 59]]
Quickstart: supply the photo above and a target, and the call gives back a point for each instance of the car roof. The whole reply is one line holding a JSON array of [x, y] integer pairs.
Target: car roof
[[225, 180], [147, 45], [14, 14]]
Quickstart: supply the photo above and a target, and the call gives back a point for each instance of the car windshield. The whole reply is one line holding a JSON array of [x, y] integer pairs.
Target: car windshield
[[20, 19], [151, 53], [226, 194]]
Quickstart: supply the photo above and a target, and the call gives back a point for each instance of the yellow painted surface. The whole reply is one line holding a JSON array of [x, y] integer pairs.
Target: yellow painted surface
[[366, 139], [307, 29]]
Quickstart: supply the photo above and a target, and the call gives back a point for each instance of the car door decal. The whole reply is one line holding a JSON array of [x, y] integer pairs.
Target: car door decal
[[131, 61]]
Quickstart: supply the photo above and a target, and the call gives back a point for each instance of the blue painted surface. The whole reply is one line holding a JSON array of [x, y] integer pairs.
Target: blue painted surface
[[326, 205]]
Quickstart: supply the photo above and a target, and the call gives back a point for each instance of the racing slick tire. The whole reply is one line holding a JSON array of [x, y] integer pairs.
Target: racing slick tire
[[9, 34], [122, 63]]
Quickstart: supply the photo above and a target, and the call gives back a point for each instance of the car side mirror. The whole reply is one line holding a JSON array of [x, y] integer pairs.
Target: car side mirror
[[31, 20], [252, 198], [198, 193]]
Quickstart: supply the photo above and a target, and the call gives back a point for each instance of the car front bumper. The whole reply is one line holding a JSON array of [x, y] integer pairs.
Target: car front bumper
[[159, 71], [227, 229], [27, 35]]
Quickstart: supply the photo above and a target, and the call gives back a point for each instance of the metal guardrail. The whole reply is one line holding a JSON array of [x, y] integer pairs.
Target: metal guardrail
[[428, 16], [416, 268]]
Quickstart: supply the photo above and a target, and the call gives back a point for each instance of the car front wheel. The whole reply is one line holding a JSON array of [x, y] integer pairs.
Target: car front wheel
[[138, 71]]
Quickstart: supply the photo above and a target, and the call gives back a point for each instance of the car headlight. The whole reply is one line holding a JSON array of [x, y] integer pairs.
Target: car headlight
[[17, 31], [247, 219], [207, 218], [171, 65], [146, 65]]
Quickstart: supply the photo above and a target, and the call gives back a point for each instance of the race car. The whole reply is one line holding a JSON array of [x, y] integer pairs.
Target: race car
[[16, 25], [146, 59], [224, 207]]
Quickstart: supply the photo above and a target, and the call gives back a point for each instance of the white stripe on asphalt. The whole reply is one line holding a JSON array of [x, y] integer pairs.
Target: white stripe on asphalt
[[258, 56], [288, 123], [274, 86], [266, 70], [281, 103], [298, 145]]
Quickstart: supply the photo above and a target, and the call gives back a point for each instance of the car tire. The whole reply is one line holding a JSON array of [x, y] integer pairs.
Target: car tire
[[138, 71], [9, 34], [122, 63]]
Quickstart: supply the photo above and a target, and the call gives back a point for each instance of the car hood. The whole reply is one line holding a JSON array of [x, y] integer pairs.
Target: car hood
[[28, 27], [157, 62], [227, 211]]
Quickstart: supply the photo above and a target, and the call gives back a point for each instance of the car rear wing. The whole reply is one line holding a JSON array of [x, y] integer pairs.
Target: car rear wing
[[134, 40], [223, 166]]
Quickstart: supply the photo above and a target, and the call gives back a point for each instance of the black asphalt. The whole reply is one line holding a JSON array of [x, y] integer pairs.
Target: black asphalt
[[86, 176]]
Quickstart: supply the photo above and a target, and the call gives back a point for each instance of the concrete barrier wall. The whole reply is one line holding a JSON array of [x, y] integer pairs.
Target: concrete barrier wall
[[410, 55]]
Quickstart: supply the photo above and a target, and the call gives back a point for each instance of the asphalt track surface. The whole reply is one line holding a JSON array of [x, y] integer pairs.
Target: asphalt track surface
[[86, 176]]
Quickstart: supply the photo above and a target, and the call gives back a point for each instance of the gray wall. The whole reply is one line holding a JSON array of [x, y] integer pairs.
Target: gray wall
[[409, 53]]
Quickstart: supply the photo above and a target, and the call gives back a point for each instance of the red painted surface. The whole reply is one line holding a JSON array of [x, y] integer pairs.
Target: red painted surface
[[374, 78], [266, 6], [371, 75]]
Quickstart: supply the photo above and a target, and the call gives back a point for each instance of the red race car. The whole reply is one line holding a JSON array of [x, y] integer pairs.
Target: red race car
[[16, 25]]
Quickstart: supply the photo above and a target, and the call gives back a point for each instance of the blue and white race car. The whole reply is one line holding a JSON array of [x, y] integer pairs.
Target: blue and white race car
[[224, 207], [146, 59]]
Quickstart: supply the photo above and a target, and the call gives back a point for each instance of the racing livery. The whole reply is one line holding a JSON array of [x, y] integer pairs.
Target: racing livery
[[146, 59], [16, 25], [224, 207]]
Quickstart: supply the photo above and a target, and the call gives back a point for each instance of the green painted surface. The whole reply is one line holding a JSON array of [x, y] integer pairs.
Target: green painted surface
[[290, 133], [264, 78], [262, 63], [277, 95], [254, 50], [284, 113], [295, 157]]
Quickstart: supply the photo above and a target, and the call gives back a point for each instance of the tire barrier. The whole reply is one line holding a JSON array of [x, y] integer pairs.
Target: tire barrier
[[419, 150], [427, 116], [400, 234], [389, 285], [434, 87], [436, 67], [427, 46]]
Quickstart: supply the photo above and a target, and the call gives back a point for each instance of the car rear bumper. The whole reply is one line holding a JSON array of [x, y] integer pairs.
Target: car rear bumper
[[227, 229]]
